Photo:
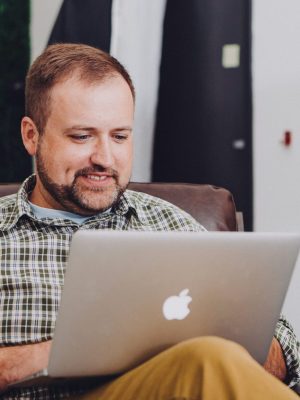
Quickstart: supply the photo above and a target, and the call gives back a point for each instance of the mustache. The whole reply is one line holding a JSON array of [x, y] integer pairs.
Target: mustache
[[97, 168]]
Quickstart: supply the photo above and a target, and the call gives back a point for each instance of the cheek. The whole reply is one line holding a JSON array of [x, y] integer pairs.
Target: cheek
[[124, 159], [63, 163], [73, 155]]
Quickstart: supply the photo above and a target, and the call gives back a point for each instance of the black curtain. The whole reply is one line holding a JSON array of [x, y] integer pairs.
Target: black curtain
[[203, 128], [15, 163], [87, 22]]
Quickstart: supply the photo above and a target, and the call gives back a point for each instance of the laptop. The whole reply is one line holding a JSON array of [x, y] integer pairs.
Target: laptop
[[130, 295]]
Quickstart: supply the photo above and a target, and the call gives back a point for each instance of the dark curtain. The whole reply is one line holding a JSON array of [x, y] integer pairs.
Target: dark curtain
[[87, 22], [203, 128], [15, 163]]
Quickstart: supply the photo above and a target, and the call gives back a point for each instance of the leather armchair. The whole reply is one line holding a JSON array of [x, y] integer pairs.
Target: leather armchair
[[212, 206]]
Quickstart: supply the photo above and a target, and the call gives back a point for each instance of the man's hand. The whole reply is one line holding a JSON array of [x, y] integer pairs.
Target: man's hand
[[17, 362], [275, 363]]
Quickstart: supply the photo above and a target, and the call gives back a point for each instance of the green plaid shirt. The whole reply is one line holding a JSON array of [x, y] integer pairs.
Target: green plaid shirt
[[33, 260]]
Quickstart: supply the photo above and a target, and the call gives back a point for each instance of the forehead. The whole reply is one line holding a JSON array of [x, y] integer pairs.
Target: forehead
[[111, 86], [77, 99]]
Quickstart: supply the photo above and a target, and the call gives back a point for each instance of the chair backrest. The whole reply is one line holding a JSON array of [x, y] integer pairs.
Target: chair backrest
[[8, 188], [212, 206]]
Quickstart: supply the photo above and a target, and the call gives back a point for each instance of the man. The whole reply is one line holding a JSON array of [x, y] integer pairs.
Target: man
[[78, 126]]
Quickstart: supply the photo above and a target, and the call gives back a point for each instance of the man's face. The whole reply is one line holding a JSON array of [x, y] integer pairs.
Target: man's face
[[84, 156]]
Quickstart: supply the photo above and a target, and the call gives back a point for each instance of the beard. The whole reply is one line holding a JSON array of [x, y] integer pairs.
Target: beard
[[77, 197]]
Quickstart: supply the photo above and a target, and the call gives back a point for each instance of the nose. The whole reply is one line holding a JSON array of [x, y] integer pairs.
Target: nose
[[102, 154]]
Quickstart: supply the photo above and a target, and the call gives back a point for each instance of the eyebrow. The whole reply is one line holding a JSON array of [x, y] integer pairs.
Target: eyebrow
[[91, 128]]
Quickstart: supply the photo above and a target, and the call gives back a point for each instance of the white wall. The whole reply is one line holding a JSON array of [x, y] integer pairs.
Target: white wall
[[276, 100], [276, 89], [138, 46], [43, 16]]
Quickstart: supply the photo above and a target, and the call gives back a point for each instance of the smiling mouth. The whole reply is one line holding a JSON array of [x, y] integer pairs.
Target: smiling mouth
[[97, 181], [98, 178]]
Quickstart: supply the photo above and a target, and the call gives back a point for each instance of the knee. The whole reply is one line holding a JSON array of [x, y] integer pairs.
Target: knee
[[208, 349]]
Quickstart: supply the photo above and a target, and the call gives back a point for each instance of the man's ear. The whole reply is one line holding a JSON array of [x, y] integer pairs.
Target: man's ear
[[30, 135]]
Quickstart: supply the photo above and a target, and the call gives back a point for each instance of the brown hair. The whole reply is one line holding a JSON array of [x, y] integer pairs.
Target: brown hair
[[59, 62]]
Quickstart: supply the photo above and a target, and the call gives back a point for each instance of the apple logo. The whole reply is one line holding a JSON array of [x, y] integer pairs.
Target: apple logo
[[176, 307]]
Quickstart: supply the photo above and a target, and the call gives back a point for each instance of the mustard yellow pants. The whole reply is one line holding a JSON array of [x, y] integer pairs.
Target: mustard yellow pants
[[207, 368]]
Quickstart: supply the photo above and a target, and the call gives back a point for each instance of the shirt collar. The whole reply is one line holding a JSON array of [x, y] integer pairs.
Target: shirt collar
[[133, 204]]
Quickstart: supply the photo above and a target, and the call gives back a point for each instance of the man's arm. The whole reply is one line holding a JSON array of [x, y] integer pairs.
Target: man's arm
[[290, 347], [275, 363], [18, 362]]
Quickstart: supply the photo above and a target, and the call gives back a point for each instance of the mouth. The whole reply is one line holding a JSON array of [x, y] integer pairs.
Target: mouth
[[97, 177], [98, 180]]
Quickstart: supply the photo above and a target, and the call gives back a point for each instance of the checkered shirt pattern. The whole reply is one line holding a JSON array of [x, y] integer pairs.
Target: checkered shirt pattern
[[290, 345], [33, 257]]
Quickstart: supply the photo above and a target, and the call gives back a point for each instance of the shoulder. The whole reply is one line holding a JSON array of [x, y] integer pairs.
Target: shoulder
[[161, 214], [7, 203], [7, 210]]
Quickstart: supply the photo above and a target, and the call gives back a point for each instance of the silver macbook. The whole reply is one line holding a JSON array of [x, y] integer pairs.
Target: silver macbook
[[130, 295]]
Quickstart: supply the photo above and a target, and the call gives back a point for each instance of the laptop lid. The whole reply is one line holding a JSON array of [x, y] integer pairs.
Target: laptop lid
[[130, 295]]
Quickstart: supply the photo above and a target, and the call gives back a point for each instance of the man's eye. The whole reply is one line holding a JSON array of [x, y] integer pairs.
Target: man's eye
[[120, 137], [80, 138]]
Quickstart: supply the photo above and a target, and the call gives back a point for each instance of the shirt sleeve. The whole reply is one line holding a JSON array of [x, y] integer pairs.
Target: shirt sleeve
[[286, 336]]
